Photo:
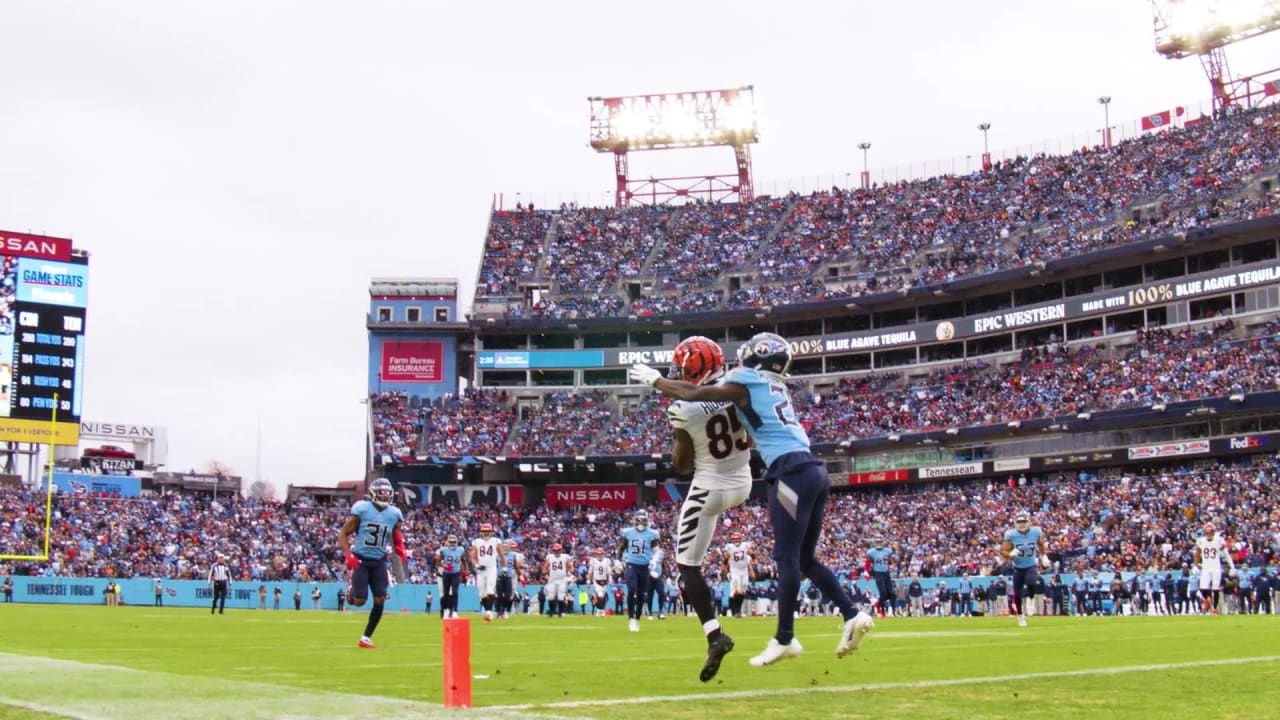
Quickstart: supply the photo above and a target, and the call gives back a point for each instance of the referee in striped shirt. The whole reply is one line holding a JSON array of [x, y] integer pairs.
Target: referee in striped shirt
[[219, 579]]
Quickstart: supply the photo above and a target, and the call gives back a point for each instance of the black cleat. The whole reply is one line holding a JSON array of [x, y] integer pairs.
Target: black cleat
[[716, 650]]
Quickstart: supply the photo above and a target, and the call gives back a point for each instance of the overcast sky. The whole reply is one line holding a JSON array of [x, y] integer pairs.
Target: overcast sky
[[239, 170]]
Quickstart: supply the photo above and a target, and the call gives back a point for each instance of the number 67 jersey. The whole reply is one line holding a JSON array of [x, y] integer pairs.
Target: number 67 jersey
[[721, 445]]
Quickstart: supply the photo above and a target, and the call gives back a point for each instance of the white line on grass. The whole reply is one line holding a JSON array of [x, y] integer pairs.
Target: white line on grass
[[782, 692], [87, 691]]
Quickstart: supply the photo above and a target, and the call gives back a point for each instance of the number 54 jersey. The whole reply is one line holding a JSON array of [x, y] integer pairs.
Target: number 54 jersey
[[721, 445]]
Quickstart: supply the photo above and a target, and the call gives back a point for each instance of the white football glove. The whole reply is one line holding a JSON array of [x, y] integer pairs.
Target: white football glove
[[1044, 562], [642, 373], [1015, 552]]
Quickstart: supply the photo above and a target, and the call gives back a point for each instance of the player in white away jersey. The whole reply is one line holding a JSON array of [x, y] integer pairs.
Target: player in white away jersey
[[1211, 550], [710, 441], [737, 556], [600, 570], [487, 555], [557, 568]]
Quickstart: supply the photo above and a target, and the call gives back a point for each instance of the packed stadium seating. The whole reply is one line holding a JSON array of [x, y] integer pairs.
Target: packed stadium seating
[[1020, 212], [1112, 522], [1207, 361]]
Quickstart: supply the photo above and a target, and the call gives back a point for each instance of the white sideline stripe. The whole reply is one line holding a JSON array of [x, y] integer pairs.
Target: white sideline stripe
[[88, 691], [783, 692]]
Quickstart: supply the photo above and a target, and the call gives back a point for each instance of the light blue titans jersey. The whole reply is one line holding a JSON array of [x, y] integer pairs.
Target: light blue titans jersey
[[640, 544], [509, 561], [1028, 545], [880, 558], [451, 559], [770, 418], [374, 533]]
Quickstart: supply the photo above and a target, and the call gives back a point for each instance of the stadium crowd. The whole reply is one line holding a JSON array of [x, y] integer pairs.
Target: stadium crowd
[[1112, 521], [1160, 364], [1021, 211]]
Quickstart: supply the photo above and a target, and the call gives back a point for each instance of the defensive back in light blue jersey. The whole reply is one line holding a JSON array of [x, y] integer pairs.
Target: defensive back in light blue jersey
[[880, 558], [374, 533], [770, 418], [639, 545], [1027, 544], [509, 561], [451, 559]]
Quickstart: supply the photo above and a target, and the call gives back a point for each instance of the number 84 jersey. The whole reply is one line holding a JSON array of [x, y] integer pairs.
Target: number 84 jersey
[[721, 445]]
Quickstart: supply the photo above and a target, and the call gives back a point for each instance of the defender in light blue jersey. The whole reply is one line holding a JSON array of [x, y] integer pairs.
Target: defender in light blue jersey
[[636, 550], [1024, 546], [372, 527], [450, 560], [879, 556], [798, 482]]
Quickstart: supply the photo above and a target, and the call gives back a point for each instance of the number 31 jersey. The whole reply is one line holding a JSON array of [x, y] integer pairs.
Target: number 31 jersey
[[721, 445], [374, 533]]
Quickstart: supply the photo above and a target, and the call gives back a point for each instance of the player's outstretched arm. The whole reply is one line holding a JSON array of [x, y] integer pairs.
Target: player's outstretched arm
[[681, 390], [344, 539]]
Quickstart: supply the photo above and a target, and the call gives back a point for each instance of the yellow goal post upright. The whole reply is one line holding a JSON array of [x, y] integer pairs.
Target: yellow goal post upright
[[48, 494]]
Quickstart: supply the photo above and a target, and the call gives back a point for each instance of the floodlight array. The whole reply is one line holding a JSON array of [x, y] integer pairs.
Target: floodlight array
[[1192, 27], [671, 120]]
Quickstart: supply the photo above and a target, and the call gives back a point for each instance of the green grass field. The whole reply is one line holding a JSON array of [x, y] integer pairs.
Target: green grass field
[[140, 663]]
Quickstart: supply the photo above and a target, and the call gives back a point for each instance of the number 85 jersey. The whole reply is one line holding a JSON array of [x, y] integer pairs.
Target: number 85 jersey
[[721, 445]]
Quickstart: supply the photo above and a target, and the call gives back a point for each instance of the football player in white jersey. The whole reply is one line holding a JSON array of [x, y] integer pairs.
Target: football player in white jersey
[[711, 442], [737, 559], [487, 554], [600, 570], [1211, 550], [557, 568]]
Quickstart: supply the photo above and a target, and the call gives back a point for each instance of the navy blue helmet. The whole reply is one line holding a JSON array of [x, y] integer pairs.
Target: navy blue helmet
[[766, 351]]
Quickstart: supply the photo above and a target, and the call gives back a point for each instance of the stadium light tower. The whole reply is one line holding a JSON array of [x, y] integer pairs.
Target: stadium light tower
[[986, 149], [671, 121], [1105, 102], [1205, 28], [866, 172]]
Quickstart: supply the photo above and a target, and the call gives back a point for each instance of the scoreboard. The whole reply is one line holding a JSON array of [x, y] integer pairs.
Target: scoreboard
[[43, 296]]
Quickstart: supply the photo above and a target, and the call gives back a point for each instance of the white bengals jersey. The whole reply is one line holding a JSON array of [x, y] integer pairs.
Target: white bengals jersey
[[559, 566], [601, 569], [739, 555], [1211, 552], [486, 552], [721, 444]]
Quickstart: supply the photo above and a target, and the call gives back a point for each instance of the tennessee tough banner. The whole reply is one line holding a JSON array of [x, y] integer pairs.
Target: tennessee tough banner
[[601, 497]]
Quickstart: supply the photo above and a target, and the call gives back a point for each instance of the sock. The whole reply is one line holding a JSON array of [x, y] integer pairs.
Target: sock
[[375, 614]]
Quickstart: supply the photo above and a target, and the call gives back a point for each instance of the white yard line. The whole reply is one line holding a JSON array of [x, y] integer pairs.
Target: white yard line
[[783, 692], [87, 691]]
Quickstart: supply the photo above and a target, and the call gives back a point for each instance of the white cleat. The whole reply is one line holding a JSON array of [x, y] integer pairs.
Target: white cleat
[[775, 651], [1022, 621], [633, 625], [854, 629]]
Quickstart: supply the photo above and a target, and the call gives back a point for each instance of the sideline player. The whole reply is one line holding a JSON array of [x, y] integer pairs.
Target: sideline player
[[557, 567], [1211, 550], [450, 559], [512, 570], [375, 523], [739, 570], [798, 483], [486, 555], [1023, 544], [710, 442], [635, 548], [600, 571], [879, 555]]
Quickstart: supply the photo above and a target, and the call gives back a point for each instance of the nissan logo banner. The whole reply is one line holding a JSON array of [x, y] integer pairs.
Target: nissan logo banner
[[601, 497]]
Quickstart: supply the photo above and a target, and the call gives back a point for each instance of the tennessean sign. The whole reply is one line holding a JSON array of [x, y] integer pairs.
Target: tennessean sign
[[602, 497]]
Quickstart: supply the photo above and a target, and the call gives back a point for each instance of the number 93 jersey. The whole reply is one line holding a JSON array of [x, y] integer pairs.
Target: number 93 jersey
[[374, 533], [721, 445]]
